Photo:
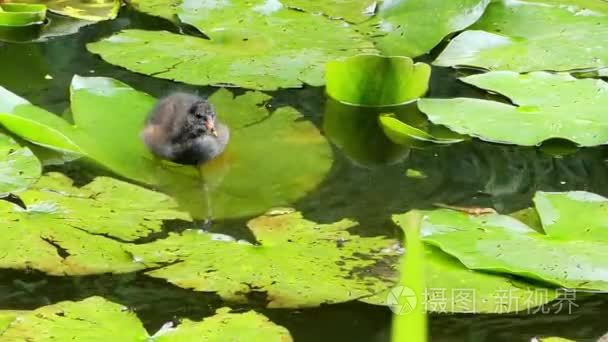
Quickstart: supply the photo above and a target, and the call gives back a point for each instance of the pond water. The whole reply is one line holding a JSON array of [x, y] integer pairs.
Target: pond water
[[470, 173]]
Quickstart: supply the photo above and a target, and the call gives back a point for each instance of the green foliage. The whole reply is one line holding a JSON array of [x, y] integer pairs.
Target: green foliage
[[532, 35], [545, 106], [19, 168]]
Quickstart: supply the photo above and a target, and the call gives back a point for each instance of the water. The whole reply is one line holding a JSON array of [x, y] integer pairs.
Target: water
[[472, 173]]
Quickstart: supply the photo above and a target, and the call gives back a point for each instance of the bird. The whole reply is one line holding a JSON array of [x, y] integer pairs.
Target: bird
[[183, 128]]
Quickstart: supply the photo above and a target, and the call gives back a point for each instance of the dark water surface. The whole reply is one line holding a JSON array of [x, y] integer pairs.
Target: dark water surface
[[471, 173]]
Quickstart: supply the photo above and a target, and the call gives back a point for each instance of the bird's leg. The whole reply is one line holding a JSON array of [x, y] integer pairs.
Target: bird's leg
[[469, 210], [205, 187]]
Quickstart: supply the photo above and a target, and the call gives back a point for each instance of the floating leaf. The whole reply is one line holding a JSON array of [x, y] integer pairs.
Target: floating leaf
[[91, 10], [532, 35], [353, 11], [161, 8], [97, 319], [298, 263], [257, 44], [451, 287], [545, 106], [17, 14], [413, 27], [227, 326], [372, 80], [571, 254], [400, 132], [276, 156], [19, 168], [62, 230]]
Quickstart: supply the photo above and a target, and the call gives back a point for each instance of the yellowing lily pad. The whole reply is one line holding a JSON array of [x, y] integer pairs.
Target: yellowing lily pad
[[545, 106], [253, 44], [298, 263], [91, 10], [271, 160], [63, 229], [19, 167], [97, 319], [532, 35]]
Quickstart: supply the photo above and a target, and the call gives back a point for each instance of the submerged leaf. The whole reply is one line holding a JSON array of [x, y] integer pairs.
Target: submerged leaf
[[62, 230], [96, 10], [19, 168], [400, 132], [545, 106], [372, 80], [255, 44], [413, 27], [532, 35], [298, 263], [97, 319], [571, 254], [278, 157]]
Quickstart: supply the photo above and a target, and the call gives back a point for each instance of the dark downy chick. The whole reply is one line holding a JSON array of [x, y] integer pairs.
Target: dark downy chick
[[183, 128]]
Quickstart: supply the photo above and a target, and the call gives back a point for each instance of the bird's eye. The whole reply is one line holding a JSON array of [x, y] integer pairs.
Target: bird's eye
[[199, 115]]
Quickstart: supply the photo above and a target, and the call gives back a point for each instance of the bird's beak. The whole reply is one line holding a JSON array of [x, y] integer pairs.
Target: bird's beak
[[210, 125]]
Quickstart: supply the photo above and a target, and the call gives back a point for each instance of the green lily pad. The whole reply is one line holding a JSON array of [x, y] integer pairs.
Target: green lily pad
[[353, 11], [97, 319], [298, 263], [18, 14], [545, 106], [571, 254], [91, 10], [372, 80], [227, 326], [413, 27], [277, 156], [63, 229], [532, 35], [161, 8], [400, 132], [19, 168], [255, 44], [452, 287]]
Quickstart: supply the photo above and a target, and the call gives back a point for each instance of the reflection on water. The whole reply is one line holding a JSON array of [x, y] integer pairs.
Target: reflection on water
[[367, 182]]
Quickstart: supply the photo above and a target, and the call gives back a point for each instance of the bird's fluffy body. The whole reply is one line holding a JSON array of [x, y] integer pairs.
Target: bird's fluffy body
[[182, 128]]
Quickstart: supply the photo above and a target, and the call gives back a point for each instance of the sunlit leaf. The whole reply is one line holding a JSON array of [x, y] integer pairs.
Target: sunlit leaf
[[545, 106], [19, 168], [531, 35]]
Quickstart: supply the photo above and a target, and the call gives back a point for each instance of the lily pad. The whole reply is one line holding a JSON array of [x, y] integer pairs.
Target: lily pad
[[413, 27], [400, 132], [532, 35], [96, 10], [298, 263], [286, 156], [161, 8], [64, 229], [97, 319], [452, 287], [19, 168], [253, 44], [372, 80], [572, 257], [545, 106], [353, 11], [18, 14]]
